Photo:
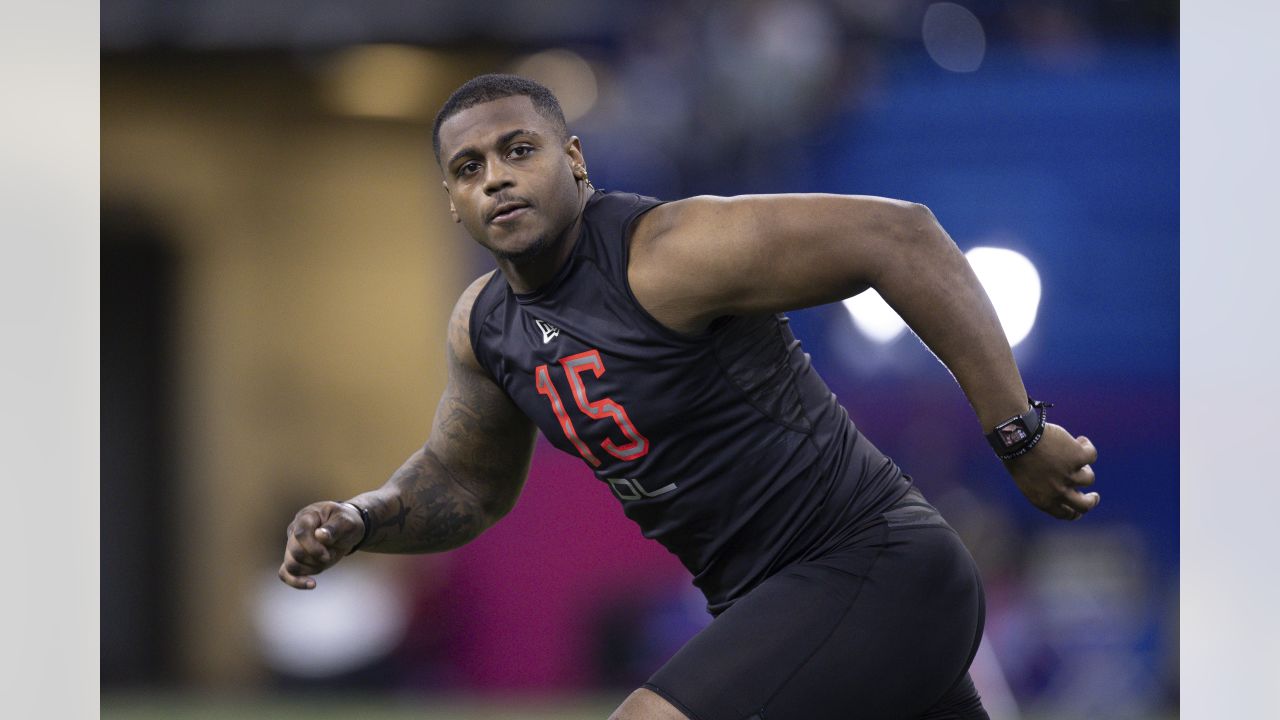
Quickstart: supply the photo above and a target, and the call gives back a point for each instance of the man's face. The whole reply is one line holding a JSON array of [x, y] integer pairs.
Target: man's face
[[509, 176]]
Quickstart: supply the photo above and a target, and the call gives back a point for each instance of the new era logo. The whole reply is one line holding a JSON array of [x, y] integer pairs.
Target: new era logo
[[548, 330]]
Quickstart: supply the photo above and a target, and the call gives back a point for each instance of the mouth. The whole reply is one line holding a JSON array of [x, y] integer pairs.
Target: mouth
[[508, 211]]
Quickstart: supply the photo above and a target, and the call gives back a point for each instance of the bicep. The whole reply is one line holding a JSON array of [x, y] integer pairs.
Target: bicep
[[481, 438], [769, 253]]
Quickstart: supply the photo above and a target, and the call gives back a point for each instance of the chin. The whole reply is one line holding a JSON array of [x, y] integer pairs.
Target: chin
[[521, 250]]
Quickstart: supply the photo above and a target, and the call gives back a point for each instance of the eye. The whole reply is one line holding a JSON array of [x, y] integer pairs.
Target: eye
[[520, 151], [468, 168]]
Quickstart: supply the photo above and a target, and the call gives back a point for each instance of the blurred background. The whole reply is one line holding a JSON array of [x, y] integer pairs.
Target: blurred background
[[278, 266]]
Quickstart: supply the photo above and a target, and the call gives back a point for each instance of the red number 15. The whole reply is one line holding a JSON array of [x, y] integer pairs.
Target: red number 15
[[574, 365]]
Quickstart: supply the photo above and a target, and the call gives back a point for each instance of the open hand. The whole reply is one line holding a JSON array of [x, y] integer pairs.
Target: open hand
[[320, 535], [1051, 473]]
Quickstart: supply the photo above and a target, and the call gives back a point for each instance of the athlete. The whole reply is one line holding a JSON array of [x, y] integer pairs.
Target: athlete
[[646, 338]]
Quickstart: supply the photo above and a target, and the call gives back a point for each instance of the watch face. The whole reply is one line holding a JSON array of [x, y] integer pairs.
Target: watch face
[[1013, 433]]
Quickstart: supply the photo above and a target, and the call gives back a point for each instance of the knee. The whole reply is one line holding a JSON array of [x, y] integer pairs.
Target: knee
[[646, 704]]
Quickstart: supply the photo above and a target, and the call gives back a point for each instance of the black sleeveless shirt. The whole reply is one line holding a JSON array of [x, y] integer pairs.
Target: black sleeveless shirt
[[726, 447]]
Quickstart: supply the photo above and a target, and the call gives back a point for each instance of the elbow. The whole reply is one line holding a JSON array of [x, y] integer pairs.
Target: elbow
[[919, 233], [920, 210], [494, 510], [897, 221], [912, 239], [917, 222]]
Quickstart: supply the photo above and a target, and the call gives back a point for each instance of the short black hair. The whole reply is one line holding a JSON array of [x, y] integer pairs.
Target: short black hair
[[494, 86]]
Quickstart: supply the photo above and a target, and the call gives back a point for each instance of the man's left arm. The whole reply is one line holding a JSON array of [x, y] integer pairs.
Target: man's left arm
[[698, 259]]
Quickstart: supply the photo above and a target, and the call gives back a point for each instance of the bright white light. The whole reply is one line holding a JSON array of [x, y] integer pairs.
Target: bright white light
[[1012, 283], [353, 617], [1009, 278], [873, 316], [953, 37]]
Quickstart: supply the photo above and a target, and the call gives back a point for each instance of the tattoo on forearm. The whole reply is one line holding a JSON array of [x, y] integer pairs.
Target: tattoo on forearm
[[397, 520], [429, 504], [422, 509]]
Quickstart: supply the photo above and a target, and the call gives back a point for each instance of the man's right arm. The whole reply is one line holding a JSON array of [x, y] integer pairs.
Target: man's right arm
[[467, 476]]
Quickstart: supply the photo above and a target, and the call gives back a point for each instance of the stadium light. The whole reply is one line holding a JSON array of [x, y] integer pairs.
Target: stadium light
[[397, 82], [873, 316], [1013, 284], [953, 37], [567, 74], [1009, 278]]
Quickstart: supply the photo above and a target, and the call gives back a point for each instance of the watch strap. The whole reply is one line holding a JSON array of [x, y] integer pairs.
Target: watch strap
[[368, 524], [1020, 433]]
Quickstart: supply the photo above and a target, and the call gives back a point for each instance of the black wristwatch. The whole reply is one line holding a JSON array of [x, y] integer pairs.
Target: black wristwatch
[[368, 524], [1020, 433]]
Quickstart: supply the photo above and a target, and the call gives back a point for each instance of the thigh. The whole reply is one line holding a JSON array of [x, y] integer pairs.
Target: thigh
[[880, 629]]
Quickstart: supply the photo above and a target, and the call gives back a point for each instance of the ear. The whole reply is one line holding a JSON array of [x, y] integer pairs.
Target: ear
[[453, 211], [573, 149]]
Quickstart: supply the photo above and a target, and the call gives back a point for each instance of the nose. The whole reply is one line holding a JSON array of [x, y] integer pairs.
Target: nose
[[497, 177]]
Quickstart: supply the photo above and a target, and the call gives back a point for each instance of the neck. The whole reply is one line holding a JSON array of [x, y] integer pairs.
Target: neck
[[529, 275]]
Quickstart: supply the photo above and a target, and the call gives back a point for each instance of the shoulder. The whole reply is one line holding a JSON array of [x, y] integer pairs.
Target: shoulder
[[615, 208], [667, 262], [675, 228], [467, 300], [460, 321], [677, 218]]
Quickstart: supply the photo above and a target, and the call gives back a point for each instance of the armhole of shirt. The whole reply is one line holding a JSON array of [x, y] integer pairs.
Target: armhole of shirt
[[683, 338], [476, 319]]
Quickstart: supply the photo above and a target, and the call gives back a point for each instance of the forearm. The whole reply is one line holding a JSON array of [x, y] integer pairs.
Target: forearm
[[931, 285], [421, 509]]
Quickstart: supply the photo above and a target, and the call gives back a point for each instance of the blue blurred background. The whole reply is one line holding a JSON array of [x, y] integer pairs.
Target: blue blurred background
[[278, 267]]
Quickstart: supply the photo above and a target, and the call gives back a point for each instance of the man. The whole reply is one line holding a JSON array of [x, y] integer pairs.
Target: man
[[646, 338]]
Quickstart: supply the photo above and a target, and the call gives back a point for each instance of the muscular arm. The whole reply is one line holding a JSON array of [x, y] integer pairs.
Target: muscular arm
[[466, 477], [472, 468], [705, 257]]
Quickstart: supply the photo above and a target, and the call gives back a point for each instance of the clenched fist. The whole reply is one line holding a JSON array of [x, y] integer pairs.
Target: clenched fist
[[320, 535], [1051, 473]]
